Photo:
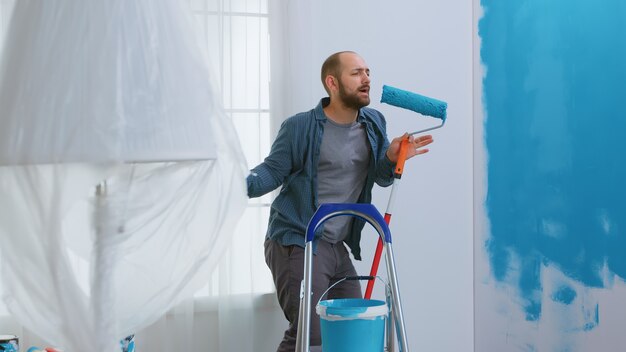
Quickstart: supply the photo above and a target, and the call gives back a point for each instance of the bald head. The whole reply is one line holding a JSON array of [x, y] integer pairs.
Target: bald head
[[332, 66]]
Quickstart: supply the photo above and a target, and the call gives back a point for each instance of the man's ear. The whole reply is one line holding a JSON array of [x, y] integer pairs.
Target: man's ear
[[331, 83]]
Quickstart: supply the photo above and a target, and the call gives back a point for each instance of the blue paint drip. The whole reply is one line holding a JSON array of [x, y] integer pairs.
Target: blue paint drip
[[565, 295], [592, 319], [554, 99]]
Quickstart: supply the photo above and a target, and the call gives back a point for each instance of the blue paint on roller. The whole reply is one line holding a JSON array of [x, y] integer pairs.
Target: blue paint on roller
[[553, 95], [414, 102]]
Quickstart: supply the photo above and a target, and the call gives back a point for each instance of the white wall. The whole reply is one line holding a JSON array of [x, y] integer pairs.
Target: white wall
[[425, 47]]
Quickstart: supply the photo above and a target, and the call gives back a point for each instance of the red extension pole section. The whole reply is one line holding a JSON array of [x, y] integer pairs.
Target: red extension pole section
[[376, 262], [404, 147]]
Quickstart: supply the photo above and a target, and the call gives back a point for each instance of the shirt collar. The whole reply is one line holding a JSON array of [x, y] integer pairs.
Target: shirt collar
[[319, 111]]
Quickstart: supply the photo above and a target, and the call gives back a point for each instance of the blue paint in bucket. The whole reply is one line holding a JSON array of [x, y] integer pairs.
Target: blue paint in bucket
[[352, 324]]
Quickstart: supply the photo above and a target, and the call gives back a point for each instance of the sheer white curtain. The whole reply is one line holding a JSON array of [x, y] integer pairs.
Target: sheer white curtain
[[237, 309], [228, 313]]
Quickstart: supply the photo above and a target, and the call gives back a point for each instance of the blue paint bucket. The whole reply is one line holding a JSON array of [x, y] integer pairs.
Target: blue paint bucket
[[9, 343], [352, 324]]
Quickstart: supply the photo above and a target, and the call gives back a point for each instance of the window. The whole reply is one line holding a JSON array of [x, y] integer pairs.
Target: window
[[236, 33], [5, 10], [6, 6]]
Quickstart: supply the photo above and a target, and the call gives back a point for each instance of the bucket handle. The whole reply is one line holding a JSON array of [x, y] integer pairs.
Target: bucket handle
[[365, 278]]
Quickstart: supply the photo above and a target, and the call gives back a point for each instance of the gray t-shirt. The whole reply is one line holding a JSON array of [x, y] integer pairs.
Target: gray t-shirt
[[342, 171]]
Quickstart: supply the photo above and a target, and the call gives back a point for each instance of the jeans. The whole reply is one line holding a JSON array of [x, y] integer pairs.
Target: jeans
[[331, 263]]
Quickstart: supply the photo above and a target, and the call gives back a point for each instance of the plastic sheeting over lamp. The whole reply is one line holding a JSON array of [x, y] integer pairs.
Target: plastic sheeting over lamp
[[114, 93]]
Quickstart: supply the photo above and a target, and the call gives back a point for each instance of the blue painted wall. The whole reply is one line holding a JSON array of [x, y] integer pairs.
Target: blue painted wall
[[555, 133]]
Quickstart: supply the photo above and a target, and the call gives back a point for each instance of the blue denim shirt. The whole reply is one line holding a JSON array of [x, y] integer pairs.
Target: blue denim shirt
[[292, 163]]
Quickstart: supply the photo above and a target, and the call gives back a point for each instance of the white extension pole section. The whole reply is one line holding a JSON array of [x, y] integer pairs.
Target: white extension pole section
[[103, 280], [390, 203]]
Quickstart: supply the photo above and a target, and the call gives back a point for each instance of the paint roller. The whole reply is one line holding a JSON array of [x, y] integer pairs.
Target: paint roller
[[422, 105], [415, 102]]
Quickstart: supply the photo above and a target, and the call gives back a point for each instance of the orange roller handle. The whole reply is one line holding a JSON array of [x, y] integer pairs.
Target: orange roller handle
[[404, 148]]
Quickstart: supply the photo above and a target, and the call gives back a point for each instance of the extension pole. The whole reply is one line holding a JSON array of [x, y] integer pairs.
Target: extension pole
[[397, 174]]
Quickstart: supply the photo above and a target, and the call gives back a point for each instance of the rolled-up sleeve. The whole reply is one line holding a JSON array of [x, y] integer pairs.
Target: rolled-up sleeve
[[271, 173]]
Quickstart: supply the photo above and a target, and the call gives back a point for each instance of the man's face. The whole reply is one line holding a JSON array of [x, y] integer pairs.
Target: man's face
[[354, 81]]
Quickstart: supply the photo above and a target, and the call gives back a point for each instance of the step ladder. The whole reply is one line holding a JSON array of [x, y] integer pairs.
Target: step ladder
[[369, 214]]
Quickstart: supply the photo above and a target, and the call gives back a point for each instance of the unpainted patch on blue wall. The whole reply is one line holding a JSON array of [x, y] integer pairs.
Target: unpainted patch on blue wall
[[554, 98]]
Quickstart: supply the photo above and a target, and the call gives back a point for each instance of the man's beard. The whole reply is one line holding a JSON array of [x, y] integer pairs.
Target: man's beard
[[354, 101]]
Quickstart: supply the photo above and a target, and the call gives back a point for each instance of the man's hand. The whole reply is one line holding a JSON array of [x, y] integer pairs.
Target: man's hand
[[416, 146]]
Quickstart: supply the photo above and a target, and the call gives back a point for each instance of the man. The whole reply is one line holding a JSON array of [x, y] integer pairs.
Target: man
[[331, 154]]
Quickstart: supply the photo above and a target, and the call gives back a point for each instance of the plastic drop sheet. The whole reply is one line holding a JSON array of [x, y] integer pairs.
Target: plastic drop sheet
[[114, 93]]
